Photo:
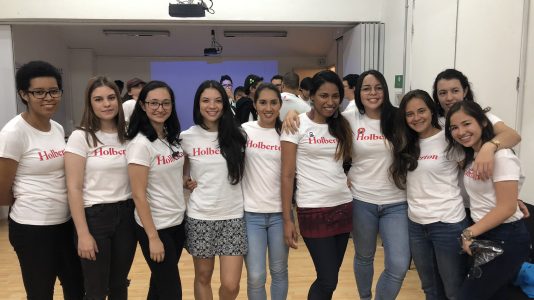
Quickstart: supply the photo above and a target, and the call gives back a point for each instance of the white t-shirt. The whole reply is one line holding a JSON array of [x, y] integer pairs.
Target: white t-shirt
[[482, 192], [371, 158], [493, 119], [432, 188], [214, 198], [39, 186], [292, 102], [321, 181], [106, 171], [164, 191], [128, 107], [350, 106], [261, 180]]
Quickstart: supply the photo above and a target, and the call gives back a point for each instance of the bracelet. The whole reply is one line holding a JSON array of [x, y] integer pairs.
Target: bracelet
[[467, 235]]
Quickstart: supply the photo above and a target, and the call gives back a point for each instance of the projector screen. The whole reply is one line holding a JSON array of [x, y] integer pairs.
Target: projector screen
[[184, 77]]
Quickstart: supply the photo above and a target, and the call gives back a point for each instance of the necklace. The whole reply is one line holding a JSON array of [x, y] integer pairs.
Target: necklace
[[174, 153]]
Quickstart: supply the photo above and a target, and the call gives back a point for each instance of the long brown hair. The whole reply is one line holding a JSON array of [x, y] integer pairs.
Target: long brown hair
[[90, 122]]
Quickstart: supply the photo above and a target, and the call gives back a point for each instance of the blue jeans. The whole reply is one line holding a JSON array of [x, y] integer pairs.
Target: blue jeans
[[266, 231], [437, 256], [498, 275], [391, 221]]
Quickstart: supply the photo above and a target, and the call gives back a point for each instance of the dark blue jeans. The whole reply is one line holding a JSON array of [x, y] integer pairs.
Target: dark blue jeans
[[499, 274], [165, 280], [112, 227], [436, 253], [44, 253]]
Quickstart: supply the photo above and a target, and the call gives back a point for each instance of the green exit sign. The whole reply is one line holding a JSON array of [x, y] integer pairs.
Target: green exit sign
[[399, 81]]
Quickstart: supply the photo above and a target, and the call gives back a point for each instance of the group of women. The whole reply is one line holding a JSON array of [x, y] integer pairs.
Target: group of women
[[123, 184]]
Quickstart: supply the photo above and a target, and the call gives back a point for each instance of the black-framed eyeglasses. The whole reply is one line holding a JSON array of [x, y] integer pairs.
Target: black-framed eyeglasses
[[41, 94], [155, 104]]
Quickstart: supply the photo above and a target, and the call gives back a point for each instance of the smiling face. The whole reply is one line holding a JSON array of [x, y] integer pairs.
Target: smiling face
[[419, 117], [105, 103], [268, 107], [325, 101], [211, 107], [161, 98], [450, 91], [466, 130], [371, 94], [42, 108]]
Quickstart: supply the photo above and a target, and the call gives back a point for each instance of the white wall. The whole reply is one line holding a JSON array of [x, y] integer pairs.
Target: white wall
[[82, 64], [393, 15], [225, 11], [41, 43], [7, 85], [527, 124]]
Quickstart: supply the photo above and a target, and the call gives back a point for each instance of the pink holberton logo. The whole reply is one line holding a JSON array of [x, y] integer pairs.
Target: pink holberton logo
[[167, 159], [361, 136], [206, 151], [261, 145], [109, 152], [50, 154], [321, 140], [429, 157]]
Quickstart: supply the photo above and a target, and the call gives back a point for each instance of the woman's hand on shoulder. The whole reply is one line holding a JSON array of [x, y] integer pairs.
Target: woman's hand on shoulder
[[484, 162], [291, 122]]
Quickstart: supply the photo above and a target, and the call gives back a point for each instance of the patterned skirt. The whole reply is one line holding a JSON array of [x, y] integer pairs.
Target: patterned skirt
[[206, 238]]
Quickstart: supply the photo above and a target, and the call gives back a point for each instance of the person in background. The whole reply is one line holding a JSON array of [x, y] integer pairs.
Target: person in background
[[289, 96], [315, 154], [493, 202], [215, 151], [304, 90], [99, 193], [277, 80], [429, 173], [263, 203], [244, 107], [227, 83], [32, 146], [239, 93], [120, 85], [155, 168], [349, 85], [133, 88]]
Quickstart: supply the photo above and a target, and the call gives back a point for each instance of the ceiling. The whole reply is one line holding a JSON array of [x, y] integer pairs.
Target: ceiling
[[190, 40]]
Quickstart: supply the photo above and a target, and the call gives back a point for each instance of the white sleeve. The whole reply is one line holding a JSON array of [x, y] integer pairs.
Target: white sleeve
[[290, 137], [138, 153], [493, 118], [11, 145], [507, 166], [77, 143]]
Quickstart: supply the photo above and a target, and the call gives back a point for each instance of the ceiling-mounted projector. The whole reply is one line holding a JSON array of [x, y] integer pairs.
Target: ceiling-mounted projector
[[187, 9], [215, 48]]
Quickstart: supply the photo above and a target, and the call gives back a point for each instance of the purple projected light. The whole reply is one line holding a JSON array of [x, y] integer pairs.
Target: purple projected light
[[184, 77]]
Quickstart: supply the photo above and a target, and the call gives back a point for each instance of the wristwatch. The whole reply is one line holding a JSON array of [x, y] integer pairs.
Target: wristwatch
[[467, 235], [495, 142]]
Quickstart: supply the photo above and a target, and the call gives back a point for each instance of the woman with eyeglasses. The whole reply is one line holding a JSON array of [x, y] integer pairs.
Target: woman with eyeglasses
[[99, 193], [155, 167], [33, 183], [315, 156], [215, 150]]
